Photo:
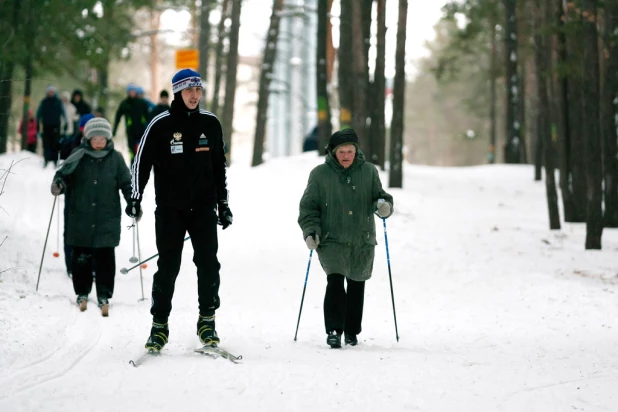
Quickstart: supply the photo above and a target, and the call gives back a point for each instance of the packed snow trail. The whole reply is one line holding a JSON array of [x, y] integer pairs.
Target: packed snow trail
[[495, 312]]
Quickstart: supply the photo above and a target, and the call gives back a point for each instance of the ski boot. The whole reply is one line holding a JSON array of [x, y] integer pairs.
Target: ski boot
[[159, 334], [104, 306], [334, 339], [351, 340], [206, 330], [82, 302]]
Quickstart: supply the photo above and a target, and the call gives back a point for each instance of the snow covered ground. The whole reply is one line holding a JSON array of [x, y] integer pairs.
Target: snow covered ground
[[495, 312]]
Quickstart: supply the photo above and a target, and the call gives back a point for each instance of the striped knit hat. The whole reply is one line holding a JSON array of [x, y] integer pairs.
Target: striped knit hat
[[98, 127], [184, 79]]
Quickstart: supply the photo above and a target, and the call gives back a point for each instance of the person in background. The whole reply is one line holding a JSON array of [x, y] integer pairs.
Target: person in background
[[83, 108], [50, 115], [72, 119], [31, 132], [95, 173], [311, 140], [336, 217], [141, 95], [162, 106], [135, 112]]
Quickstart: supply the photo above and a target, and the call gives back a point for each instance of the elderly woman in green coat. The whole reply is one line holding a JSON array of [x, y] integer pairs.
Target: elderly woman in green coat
[[95, 173], [336, 216]]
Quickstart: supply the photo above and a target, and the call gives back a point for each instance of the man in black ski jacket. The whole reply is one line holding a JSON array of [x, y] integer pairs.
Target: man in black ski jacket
[[50, 115], [135, 112], [185, 147]]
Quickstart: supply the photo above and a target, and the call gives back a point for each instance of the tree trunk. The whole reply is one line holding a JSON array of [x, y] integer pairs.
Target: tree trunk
[[103, 76], [6, 82], [493, 74], [576, 117], [360, 79], [564, 141], [103, 68], [193, 31], [609, 99], [539, 143], [363, 106], [230, 78], [325, 127], [330, 48], [205, 43], [155, 23], [396, 155], [525, 67], [219, 55], [7, 66], [542, 56], [378, 129], [594, 172], [345, 68], [512, 149], [27, 93], [270, 53]]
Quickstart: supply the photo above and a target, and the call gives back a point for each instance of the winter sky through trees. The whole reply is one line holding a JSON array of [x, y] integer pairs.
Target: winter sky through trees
[[422, 16]]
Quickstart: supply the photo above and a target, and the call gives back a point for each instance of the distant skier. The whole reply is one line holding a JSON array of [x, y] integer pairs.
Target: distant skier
[[31, 132], [77, 98], [141, 95], [336, 217], [94, 172], [185, 147], [72, 119], [135, 112], [162, 106], [51, 115]]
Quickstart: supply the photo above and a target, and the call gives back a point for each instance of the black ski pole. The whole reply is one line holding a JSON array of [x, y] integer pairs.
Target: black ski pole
[[124, 271], [45, 244], [303, 298], [390, 278]]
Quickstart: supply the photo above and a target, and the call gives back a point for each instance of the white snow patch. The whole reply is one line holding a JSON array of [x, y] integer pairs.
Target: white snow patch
[[495, 311]]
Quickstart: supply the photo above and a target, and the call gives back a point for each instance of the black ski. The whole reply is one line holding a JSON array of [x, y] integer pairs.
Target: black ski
[[215, 352]]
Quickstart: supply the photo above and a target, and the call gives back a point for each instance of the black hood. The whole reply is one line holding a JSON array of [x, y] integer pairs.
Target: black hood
[[178, 105]]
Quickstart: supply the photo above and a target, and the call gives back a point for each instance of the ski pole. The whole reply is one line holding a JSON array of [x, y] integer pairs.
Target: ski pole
[[133, 259], [304, 289], [390, 277], [45, 244], [124, 271], [56, 253], [139, 256]]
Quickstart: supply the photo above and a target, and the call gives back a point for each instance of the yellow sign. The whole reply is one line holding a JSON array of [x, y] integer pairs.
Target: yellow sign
[[188, 59]]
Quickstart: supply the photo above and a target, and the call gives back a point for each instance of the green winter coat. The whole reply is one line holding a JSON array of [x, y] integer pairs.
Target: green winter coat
[[93, 199], [339, 205]]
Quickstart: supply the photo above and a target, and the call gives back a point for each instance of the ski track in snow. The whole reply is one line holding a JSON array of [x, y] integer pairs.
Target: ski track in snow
[[495, 312]]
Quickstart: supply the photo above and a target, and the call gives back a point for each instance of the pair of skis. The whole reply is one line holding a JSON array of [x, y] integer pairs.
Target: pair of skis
[[212, 351]]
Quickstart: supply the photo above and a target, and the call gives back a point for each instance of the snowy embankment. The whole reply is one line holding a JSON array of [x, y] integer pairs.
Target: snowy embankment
[[495, 312]]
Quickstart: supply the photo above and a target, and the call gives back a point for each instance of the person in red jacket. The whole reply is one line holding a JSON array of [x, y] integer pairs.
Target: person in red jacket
[[32, 131]]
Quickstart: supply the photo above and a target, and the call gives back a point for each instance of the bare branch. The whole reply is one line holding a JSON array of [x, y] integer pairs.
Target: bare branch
[[7, 172]]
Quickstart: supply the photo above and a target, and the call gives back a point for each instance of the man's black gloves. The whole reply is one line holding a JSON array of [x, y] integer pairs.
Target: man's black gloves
[[134, 209], [225, 214]]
